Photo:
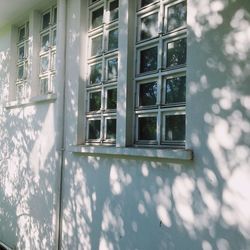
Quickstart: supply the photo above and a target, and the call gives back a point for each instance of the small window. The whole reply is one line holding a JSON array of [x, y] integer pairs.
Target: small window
[[146, 2], [148, 27], [148, 59], [111, 98], [147, 128], [97, 18], [95, 73], [96, 45], [113, 10], [147, 93], [45, 42], [110, 129], [174, 128], [112, 69], [94, 129], [95, 101], [113, 39], [46, 20], [44, 64]]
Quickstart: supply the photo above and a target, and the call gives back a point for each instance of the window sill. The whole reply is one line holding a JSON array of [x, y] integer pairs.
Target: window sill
[[152, 153], [30, 101]]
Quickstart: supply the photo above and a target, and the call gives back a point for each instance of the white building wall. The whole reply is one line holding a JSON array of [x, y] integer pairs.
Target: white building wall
[[139, 203]]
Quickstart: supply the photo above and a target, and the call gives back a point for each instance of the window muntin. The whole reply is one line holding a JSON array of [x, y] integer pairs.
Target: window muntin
[[102, 64], [22, 90], [48, 50], [160, 81]]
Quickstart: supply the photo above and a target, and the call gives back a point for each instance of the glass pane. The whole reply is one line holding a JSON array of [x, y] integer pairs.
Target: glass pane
[[112, 68], [94, 129], [176, 52], [96, 47], [54, 38], [21, 53], [53, 61], [97, 18], [146, 2], [114, 11], [111, 98], [149, 26], [20, 73], [148, 59], [44, 64], [175, 128], [55, 16], [147, 128], [113, 39], [45, 42], [148, 94], [111, 129], [177, 15], [46, 20], [95, 101], [96, 73], [21, 34], [176, 90], [44, 85]]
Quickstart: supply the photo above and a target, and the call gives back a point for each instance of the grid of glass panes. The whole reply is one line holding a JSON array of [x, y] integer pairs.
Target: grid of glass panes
[[101, 85], [22, 88], [160, 77], [48, 50]]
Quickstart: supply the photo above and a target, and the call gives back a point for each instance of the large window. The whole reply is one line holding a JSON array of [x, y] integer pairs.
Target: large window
[[102, 64], [48, 50], [160, 73], [22, 87]]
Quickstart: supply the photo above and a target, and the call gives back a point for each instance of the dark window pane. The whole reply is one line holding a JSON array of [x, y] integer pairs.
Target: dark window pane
[[175, 128], [111, 98], [176, 52], [45, 42], [21, 34], [113, 39], [96, 47], [148, 94], [146, 2], [114, 11], [94, 129], [147, 128], [95, 101], [148, 59], [176, 90], [96, 73], [44, 85], [54, 38], [111, 129], [21, 53], [46, 20], [177, 15], [55, 16], [97, 18], [20, 73], [112, 68], [149, 26]]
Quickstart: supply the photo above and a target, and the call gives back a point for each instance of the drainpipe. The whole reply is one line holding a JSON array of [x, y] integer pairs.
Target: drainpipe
[[60, 113]]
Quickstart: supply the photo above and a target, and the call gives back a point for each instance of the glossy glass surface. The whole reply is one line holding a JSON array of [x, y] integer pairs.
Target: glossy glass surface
[[44, 64], [146, 2], [21, 36], [111, 98], [176, 52], [112, 68], [44, 85], [94, 129], [21, 53], [147, 94], [111, 129], [95, 101], [96, 73], [149, 26], [96, 47], [97, 18], [147, 128], [175, 128], [46, 20], [114, 10], [45, 42], [20, 72], [148, 59], [113, 39]]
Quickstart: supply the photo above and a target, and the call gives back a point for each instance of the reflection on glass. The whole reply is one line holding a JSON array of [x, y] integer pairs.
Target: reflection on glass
[[21, 53], [21, 34], [175, 90], [94, 129], [45, 42], [53, 61], [148, 59], [96, 73], [112, 68], [44, 64], [147, 128], [175, 128], [55, 16], [146, 2], [148, 94], [46, 20], [111, 98], [177, 15], [97, 18], [95, 101], [176, 52], [54, 38], [149, 26], [20, 73], [96, 47], [111, 129], [113, 10], [44, 85], [113, 39]]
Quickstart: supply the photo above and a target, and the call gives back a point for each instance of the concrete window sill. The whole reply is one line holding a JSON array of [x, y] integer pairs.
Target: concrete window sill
[[149, 153], [30, 101]]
